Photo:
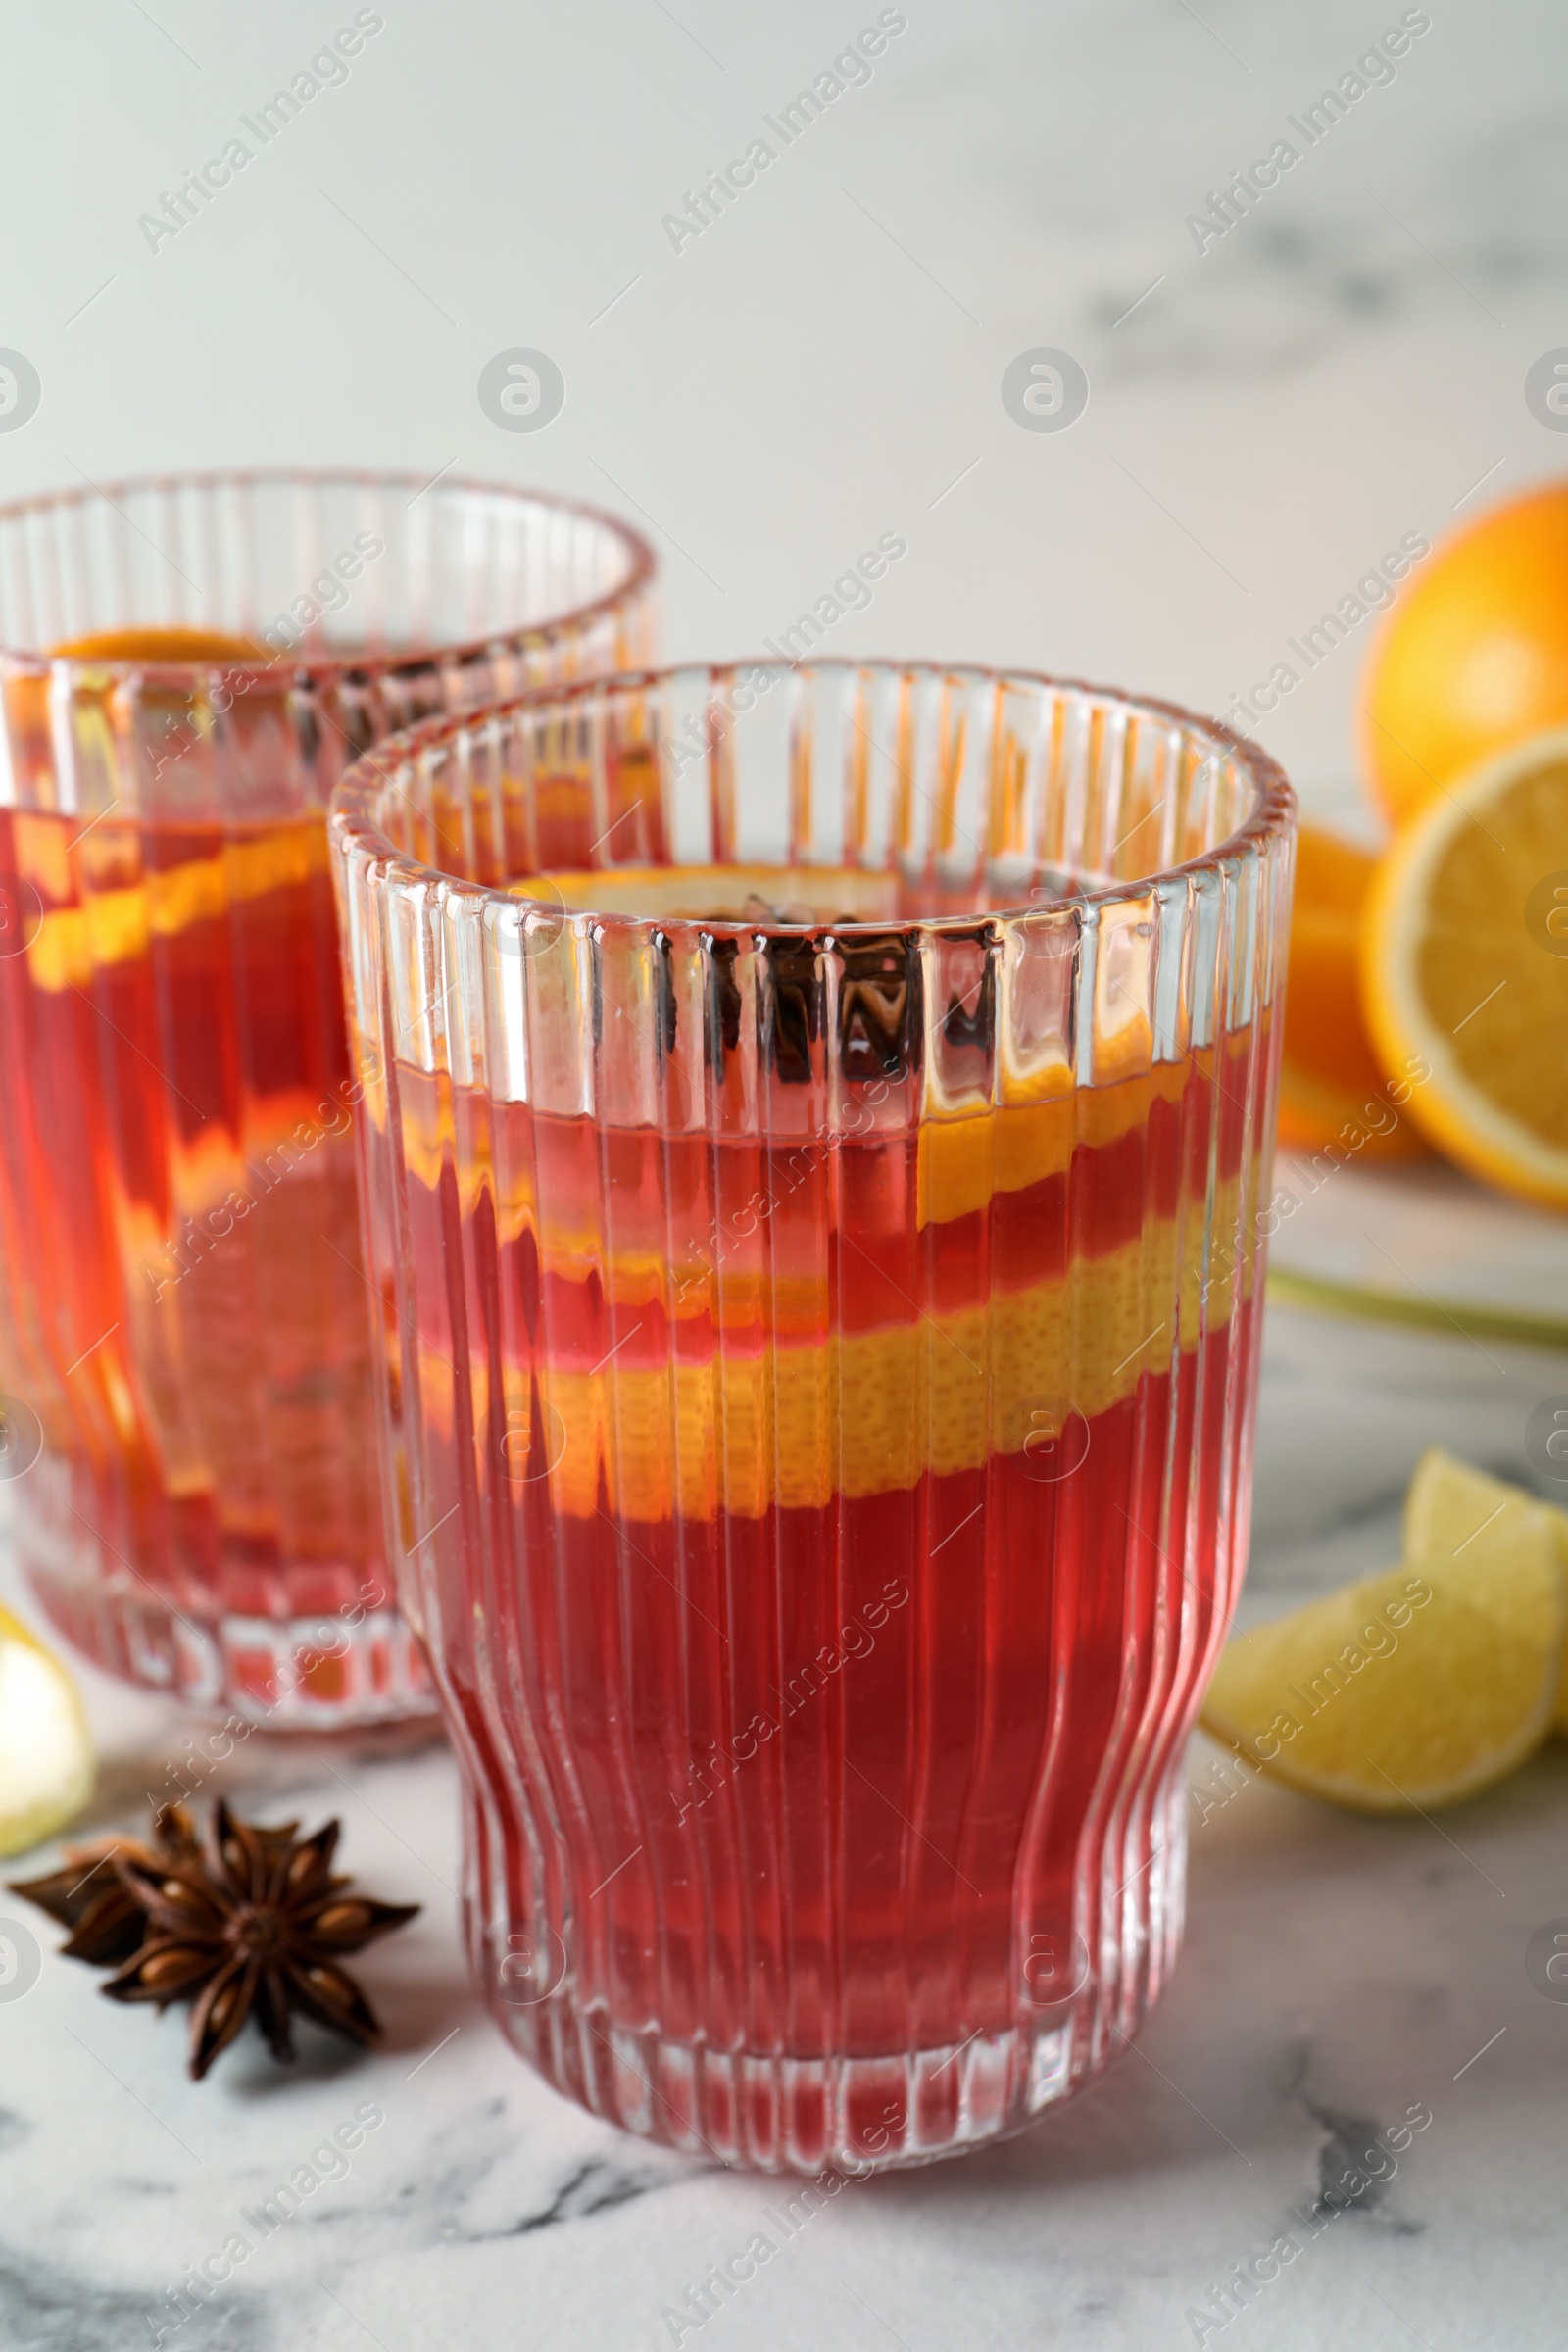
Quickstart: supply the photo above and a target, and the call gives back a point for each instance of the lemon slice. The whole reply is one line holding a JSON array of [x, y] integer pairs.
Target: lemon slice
[[46, 1760], [1453, 1507], [1464, 969], [1413, 1689]]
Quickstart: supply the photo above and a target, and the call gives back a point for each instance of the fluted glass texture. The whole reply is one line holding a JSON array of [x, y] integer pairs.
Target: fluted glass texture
[[817, 1118], [188, 1418]]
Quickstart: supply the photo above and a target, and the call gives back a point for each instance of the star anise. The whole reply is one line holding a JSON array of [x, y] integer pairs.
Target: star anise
[[85, 1894], [249, 1921]]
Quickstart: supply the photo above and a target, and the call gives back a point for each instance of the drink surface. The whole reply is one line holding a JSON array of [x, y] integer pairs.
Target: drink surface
[[184, 1307]]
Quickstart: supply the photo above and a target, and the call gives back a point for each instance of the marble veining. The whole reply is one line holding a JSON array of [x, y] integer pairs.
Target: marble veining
[[1338, 1973]]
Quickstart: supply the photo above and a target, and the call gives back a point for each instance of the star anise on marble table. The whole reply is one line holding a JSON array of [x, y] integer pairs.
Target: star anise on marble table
[[87, 1895], [241, 1921]]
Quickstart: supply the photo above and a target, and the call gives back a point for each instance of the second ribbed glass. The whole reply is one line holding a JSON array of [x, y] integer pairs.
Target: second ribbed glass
[[185, 1327], [816, 1123]]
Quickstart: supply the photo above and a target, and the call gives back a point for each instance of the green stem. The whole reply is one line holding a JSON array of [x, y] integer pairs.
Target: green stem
[[1321, 1296]]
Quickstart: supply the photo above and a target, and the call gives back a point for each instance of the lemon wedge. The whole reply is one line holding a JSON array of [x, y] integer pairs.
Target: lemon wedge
[[1418, 1688], [1449, 1501], [46, 1759]]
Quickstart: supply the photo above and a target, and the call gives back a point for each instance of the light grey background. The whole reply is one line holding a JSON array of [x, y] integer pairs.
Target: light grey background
[[826, 361]]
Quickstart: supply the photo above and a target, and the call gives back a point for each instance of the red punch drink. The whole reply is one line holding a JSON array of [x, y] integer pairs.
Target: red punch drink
[[822, 1386], [186, 1327], [180, 1156]]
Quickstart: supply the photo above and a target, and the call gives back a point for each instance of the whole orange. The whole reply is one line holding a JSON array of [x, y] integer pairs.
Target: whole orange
[[1474, 655], [1332, 1086]]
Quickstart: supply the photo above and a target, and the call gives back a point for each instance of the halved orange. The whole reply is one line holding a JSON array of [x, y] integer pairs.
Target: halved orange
[[1465, 968]]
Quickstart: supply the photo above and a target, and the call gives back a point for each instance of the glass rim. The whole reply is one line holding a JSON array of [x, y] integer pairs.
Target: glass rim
[[353, 819], [641, 570]]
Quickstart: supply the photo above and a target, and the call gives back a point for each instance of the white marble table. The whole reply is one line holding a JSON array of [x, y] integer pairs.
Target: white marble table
[[1336, 1974]]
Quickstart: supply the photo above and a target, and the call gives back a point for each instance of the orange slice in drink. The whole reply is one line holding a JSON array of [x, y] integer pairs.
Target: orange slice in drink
[[160, 647]]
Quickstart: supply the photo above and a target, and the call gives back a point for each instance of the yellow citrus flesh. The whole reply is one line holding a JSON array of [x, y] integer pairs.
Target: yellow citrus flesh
[[1411, 1689], [115, 923], [46, 1760], [745, 1429], [1559, 1530], [1449, 1501], [1461, 969]]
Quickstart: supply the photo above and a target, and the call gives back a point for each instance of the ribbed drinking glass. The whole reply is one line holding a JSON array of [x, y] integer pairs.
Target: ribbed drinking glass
[[184, 1318], [817, 1118]]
